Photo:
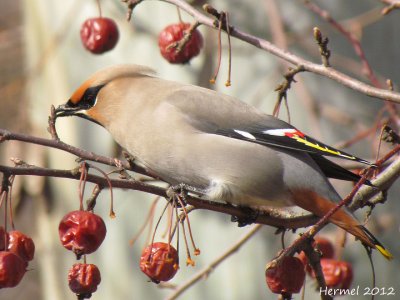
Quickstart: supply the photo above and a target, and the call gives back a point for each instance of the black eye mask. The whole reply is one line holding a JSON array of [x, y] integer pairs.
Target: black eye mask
[[88, 99]]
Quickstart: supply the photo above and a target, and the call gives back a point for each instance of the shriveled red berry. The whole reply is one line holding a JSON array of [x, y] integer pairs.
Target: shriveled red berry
[[99, 35], [83, 279], [21, 244], [337, 274], [12, 269], [324, 246], [3, 236], [159, 261], [347, 278], [82, 232], [286, 277], [171, 35], [302, 256]]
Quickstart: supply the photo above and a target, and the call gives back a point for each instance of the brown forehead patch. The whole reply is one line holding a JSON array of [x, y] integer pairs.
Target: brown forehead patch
[[78, 94]]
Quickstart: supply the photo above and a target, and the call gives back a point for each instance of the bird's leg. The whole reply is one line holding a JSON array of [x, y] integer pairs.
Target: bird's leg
[[182, 190], [129, 158], [185, 188], [250, 217]]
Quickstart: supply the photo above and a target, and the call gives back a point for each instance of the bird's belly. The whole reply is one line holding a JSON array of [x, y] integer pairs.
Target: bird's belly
[[231, 193], [226, 170]]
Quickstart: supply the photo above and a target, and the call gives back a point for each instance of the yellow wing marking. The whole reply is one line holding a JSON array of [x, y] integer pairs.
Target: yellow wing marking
[[322, 148]]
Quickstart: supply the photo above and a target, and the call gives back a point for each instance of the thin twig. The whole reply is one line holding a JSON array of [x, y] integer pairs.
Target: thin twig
[[6, 135], [357, 49], [207, 270], [52, 124], [323, 46], [284, 87], [91, 202]]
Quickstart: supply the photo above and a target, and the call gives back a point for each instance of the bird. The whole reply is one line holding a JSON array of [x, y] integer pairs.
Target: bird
[[220, 146]]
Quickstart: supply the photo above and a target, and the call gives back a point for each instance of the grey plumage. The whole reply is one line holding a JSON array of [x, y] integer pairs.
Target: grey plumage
[[178, 123], [216, 143]]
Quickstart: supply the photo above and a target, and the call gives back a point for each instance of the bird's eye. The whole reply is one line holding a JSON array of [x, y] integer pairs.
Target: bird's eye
[[90, 96]]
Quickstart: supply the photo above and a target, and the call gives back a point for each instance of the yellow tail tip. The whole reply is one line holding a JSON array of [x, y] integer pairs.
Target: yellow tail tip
[[384, 252]]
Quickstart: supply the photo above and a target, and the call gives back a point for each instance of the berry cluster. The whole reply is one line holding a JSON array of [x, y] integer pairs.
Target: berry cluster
[[287, 276], [16, 251], [178, 43], [82, 232]]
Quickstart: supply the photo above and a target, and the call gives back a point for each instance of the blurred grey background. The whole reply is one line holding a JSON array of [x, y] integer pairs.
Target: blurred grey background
[[42, 61]]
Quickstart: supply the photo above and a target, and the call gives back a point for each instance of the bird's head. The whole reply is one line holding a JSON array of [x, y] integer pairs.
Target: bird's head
[[89, 101]]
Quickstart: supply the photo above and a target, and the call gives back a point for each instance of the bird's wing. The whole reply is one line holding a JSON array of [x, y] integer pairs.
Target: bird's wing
[[333, 170], [293, 139], [224, 115], [288, 138]]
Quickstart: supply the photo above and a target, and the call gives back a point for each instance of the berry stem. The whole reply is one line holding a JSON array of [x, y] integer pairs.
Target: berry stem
[[189, 260], [196, 250], [5, 186], [177, 227], [4, 196], [82, 183], [99, 8], [283, 239], [228, 32], [169, 223], [155, 229], [179, 14], [112, 213], [214, 78], [11, 180], [148, 220]]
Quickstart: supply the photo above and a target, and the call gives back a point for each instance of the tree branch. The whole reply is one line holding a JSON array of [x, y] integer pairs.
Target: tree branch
[[288, 56], [271, 218], [6, 135]]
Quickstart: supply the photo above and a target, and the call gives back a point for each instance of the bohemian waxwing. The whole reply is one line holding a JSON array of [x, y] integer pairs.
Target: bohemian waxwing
[[216, 144]]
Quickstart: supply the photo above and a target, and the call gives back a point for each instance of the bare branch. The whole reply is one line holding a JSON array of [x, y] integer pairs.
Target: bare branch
[[272, 217], [6, 135], [357, 49], [383, 181], [290, 57]]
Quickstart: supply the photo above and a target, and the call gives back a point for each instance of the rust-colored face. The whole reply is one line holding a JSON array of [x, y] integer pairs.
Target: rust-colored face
[[81, 102], [77, 96]]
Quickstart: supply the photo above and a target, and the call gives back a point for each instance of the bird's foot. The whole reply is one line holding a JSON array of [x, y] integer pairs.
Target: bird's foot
[[250, 217], [182, 190]]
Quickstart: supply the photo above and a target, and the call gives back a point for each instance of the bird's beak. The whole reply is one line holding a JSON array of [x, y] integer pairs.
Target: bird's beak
[[65, 110], [68, 110]]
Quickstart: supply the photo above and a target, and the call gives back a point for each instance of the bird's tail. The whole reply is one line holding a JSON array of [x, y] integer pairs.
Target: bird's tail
[[320, 206], [351, 225], [378, 246]]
